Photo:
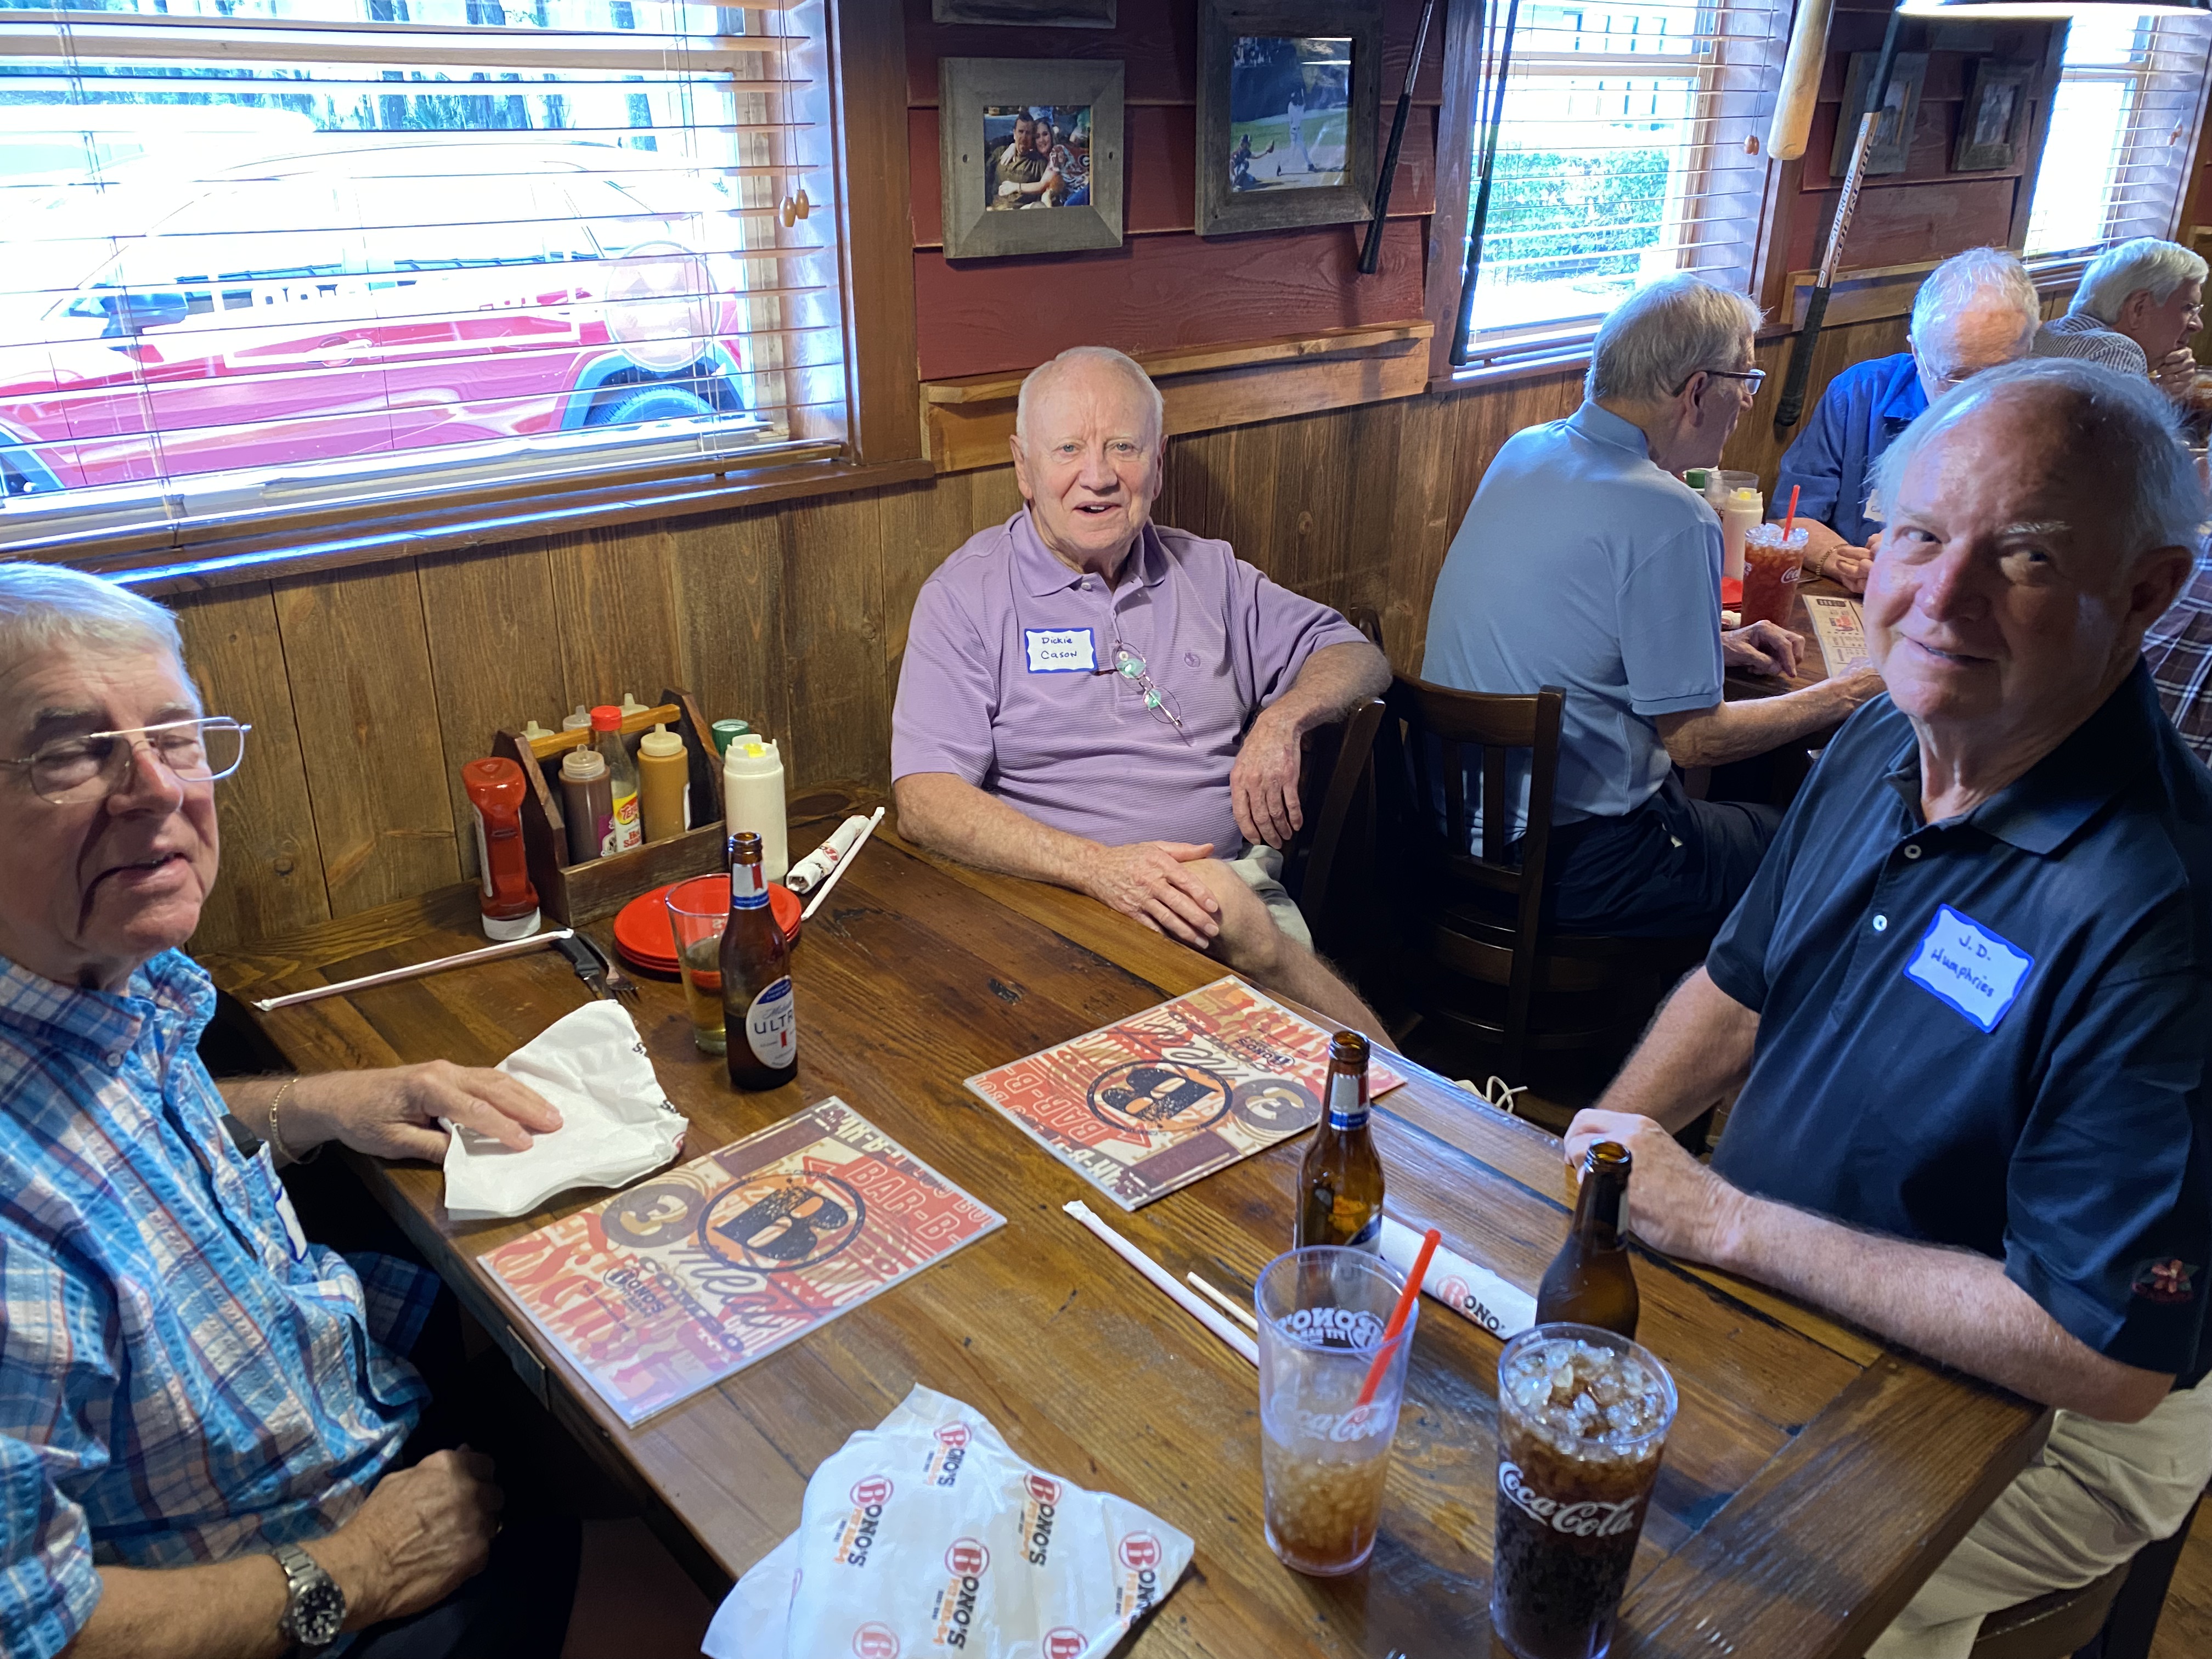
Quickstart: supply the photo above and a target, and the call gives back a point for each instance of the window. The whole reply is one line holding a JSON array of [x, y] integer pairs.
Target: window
[[267, 255], [1623, 155], [2123, 132]]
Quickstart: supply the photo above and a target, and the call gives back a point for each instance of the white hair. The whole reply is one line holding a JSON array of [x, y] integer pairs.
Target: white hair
[[2130, 268], [1656, 339], [1123, 364], [42, 606], [1991, 276], [2118, 427]]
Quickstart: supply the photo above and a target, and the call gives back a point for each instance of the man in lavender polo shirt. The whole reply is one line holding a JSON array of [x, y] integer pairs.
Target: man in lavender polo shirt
[[1090, 700]]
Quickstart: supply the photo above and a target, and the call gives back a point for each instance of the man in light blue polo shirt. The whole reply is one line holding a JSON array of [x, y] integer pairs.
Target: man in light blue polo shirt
[[1584, 563]]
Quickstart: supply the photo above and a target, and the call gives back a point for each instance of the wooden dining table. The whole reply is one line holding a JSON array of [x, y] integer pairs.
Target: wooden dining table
[[1812, 1479]]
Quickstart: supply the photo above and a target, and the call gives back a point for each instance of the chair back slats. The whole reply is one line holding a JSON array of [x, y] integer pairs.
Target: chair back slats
[[1498, 805]]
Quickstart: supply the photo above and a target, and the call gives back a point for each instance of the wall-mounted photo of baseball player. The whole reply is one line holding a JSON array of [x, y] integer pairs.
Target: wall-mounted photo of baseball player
[[1288, 96], [1288, 103]]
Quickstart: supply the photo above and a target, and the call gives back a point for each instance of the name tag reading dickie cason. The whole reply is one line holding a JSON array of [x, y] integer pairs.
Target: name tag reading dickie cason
[[1059, 650], [1969, 967]]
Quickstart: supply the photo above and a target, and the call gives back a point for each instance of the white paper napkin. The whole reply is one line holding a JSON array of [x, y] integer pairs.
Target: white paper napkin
[[927, 1533], [1467, 1288], [615, 1122]]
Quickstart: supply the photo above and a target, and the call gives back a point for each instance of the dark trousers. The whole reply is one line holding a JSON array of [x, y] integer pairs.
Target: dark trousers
[[1674, 868]]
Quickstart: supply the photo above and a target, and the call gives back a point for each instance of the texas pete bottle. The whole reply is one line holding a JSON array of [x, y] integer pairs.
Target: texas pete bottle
[[1340, 1182], [758, 1016]]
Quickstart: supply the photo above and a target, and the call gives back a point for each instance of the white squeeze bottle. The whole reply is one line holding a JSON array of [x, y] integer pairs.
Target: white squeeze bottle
[[1743, 509], [752, 798]]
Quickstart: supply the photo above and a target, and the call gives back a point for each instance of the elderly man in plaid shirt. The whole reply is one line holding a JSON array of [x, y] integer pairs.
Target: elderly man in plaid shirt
[[2179, 648], [201, 1414]]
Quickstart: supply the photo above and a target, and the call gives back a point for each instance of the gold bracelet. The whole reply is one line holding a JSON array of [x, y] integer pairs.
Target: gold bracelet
[[277, 1152]]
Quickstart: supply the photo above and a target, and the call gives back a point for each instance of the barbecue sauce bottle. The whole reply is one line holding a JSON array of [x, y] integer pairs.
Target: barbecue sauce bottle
[[1590, 1281], [1340, 1182], [757, 1012]]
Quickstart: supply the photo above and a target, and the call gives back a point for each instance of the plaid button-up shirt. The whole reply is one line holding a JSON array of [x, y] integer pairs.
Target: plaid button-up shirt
[[2179, 648], [183, 1378]]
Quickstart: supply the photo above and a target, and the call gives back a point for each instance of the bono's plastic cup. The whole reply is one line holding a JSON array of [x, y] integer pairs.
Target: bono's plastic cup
[[1583, 1417], [1324, 1457], [698, 910], [1771, 565]]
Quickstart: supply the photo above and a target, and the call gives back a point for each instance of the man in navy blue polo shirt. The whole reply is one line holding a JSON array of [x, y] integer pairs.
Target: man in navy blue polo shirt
[[1968, 999], [1976, 310]]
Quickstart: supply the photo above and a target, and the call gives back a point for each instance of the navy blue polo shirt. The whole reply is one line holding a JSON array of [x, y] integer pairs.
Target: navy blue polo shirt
[[1863, 411], [1992, 1032]]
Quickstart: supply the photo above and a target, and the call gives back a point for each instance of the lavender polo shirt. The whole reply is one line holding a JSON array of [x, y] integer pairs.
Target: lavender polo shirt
[[997, 687]]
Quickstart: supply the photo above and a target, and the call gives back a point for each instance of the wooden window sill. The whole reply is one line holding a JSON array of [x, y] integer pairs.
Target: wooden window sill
[[967, 422]]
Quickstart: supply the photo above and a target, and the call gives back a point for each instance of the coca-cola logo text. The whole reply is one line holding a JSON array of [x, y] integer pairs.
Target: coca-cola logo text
[[1582, 1520]]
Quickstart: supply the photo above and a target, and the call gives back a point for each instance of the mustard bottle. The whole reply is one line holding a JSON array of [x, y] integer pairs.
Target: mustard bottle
[[663, 775]]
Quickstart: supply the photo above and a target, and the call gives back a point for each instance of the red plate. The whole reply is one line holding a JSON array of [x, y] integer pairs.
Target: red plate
[[641, 929]]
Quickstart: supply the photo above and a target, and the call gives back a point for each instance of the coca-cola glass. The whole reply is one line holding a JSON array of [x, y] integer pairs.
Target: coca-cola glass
[[1582, 1416], [1324, 1456]]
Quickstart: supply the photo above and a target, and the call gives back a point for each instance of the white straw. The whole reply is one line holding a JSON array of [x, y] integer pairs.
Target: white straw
[[837, 874], [1152, 1270], [1242, 1314], [513, 947]]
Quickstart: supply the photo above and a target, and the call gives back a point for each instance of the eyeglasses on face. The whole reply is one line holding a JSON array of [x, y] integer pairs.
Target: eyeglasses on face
[[93, 765], [1753, 378], [1131, 667]]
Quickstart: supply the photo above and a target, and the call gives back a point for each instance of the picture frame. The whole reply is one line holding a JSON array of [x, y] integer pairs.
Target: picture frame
[[1288, 96], [1027, 14], [997, 205], [1995, 117], [1892, 148]]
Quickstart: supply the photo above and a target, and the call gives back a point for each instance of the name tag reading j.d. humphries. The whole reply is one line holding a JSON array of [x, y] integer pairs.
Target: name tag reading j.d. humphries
[[1059, 650], [1969, 967]]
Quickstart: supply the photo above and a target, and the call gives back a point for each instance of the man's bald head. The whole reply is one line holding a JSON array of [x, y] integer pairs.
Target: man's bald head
[[1094, 367]]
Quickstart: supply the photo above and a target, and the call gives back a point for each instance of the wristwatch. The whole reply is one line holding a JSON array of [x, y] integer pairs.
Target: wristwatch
[[315, 1608]]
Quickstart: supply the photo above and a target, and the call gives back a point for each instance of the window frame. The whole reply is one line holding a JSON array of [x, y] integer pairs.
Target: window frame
[[865, 52]]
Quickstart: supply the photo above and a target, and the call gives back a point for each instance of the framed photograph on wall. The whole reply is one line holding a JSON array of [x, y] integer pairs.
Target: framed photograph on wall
[[1996, 112], [1893, 133], [1027, 13], [1029, 155], [1287, 96]]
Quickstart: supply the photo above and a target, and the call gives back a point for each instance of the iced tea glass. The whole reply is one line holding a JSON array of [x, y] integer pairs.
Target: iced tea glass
[[1772, 564], [698, 910], [1582, 1416], [1324, 1457]]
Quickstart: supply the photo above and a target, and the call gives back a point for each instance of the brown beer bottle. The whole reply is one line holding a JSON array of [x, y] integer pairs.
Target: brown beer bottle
[[1340, 1182], [1590, 1281], [758, 1018]]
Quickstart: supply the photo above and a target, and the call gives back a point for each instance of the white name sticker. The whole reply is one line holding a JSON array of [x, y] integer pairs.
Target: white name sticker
[[1059, 650], [1969, 967]]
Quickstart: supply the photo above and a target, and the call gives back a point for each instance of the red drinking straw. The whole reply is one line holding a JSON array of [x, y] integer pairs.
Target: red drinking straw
[[1430, 1240], [1790, 520]]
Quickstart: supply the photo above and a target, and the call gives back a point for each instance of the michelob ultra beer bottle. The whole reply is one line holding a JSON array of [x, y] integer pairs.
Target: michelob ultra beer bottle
[[1590, 1281], [1340, 1182], [758, 1013]]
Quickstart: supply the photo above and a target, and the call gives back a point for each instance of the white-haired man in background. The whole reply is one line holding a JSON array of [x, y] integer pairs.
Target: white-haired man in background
[[1585, 563], [2136, 307], [1976, 310]]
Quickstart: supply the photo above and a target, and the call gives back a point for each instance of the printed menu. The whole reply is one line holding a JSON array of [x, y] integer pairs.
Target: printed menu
[[682, 1281], [1842, 633], [1155, 1102]]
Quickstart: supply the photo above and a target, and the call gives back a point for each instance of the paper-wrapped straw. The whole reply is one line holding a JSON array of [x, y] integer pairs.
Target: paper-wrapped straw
[[838, 871], [490, 953], [813, 870], [1471, 1291], [1152, 1270]]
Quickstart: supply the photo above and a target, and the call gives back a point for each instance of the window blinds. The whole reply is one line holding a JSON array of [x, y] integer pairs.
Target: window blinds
[[2123, 132], [1624, 154], [265, 255]]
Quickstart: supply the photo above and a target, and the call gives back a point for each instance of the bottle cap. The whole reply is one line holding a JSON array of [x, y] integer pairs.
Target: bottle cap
[[578, 722], [1695, 478], [660, 743], [726, 733], [582, 765], [631, 706], [606, 718], [1744, 498], [515, 928], [533, 731]]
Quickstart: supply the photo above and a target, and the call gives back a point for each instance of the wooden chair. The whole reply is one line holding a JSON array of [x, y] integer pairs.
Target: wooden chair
[[1336, 794], [2113, 1617], [1473, 924]]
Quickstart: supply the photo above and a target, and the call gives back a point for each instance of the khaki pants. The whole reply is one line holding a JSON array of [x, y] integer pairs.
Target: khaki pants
[[2095, 1494], [1260, 869]]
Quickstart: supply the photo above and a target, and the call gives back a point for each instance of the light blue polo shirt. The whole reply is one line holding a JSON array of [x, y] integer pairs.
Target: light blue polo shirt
[[1582, 565]]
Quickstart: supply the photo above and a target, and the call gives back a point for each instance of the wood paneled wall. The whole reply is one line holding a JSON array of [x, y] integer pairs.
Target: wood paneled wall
[[368, 689]]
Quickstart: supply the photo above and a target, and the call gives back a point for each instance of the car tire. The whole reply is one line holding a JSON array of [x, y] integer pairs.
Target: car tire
[[651, 403]]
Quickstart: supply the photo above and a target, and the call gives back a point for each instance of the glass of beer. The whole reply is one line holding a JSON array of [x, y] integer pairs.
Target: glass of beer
[[1582, 1416], [1772, 564], [1324, 1456], [698, 910]]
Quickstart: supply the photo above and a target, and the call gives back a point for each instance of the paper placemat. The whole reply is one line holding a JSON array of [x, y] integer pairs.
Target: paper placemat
[[1155, 1102], [667, 1288], [1842, 633]]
